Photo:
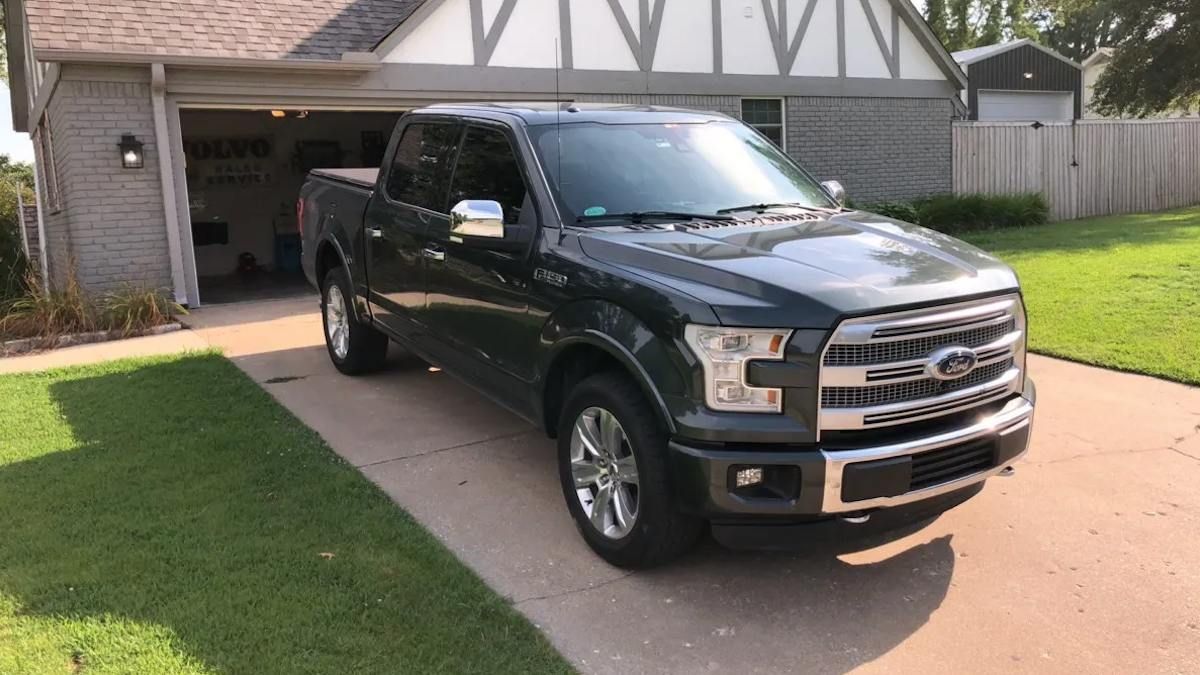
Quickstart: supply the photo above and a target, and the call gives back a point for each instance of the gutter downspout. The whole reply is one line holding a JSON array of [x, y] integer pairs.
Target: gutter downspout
[[162, 143], [43, 245], [21, 220]]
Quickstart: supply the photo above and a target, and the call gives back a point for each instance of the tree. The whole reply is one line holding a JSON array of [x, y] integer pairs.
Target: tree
[[14, 177], [1077, 28], [992, 31], [962, 33], [1154, 67], [963, 24], [1020, 24], [935, 14]]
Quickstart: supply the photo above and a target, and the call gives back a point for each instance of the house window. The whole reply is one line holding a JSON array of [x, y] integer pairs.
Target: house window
[[766, 115], [45, 145]]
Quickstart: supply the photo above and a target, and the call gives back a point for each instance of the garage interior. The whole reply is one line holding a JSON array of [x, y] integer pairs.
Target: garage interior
[[244, 172]]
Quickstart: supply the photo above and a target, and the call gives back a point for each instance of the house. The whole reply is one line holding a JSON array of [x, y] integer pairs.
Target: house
[[1093, 67], [171, 137], [1021, 80]]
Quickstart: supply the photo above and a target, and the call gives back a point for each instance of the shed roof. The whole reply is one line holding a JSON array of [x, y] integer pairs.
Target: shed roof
[[966, 57], [262, 29]]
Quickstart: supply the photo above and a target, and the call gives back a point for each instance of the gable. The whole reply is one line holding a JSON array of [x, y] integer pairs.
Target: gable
[[866, 39]]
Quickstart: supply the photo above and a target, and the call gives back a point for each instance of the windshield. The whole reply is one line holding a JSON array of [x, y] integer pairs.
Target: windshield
[[604, 170]]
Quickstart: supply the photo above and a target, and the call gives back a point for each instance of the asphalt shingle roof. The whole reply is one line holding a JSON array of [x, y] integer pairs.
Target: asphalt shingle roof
[[299, 29]]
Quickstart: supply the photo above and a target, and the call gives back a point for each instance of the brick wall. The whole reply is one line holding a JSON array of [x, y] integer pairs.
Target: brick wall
[[879, 148], [111, 222]]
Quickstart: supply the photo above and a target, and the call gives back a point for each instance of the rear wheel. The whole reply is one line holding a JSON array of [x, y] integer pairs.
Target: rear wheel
[[613, 468], [354, 347]]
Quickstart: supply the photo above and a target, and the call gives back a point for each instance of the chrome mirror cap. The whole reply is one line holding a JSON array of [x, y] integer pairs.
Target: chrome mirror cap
[[477, 218], [835, 190]]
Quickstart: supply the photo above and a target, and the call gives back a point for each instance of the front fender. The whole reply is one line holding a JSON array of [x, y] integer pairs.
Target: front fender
[[651, 355]]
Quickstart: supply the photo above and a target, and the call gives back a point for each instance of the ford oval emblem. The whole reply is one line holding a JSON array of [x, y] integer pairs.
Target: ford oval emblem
[[951, 363]]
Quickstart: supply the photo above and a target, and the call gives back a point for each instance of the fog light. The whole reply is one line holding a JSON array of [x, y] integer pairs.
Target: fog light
[[749, 476]]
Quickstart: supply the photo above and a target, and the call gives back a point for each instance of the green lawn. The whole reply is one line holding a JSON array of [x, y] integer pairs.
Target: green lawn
[[1121, 291], [167, 516]]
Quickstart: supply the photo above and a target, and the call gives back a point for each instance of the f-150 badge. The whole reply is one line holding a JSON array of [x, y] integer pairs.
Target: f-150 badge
[[552, 278]]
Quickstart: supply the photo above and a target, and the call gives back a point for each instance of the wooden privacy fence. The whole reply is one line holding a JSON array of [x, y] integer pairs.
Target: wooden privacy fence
[[1084, 168]]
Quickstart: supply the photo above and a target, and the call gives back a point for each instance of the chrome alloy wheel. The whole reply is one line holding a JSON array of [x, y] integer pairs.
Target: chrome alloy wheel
[[605, 472], [337, 323]]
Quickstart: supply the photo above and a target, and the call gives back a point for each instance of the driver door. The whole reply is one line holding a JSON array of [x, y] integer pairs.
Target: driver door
[[477, 293]]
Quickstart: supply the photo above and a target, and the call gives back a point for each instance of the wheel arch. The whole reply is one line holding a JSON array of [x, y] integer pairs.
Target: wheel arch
[[594, 335], [330, 256]]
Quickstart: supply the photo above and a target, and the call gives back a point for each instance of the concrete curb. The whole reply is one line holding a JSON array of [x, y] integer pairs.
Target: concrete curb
[[27, 345]]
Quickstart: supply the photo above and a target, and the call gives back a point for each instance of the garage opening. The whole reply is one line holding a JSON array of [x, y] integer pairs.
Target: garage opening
[[244, 172]]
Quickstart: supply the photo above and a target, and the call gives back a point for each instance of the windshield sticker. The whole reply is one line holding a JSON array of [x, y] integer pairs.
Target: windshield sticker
[[595, 211]]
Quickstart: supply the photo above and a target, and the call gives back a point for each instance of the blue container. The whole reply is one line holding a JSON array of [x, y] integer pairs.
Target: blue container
[[287, 252]]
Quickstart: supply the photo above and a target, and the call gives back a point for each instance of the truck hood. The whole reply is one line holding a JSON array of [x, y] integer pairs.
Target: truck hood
[[814, 269]]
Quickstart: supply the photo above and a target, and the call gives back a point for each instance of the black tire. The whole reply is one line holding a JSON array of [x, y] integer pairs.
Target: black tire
[[366, 348], [660, 532]]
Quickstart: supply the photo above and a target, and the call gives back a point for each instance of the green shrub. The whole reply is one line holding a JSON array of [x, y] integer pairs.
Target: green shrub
[[905, 211], [973, 212], [12, 255], [968, 213]]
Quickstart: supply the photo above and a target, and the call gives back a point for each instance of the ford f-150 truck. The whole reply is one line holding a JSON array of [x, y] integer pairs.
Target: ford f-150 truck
[[712, 338]]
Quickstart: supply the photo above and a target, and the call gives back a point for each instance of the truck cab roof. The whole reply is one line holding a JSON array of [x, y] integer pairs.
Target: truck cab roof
[[550, 112]]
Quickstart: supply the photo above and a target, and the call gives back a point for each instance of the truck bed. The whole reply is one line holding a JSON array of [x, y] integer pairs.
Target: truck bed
[[364, 178]]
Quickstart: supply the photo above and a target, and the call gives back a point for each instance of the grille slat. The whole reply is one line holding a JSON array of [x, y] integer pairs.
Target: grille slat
[[899, 392], [907, 350]]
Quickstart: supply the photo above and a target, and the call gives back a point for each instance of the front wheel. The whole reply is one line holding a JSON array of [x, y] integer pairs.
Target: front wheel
[[613, 467], [354, 347]]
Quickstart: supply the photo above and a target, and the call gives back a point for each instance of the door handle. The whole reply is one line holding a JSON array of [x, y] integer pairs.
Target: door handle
[[375, 232], [434, 253]]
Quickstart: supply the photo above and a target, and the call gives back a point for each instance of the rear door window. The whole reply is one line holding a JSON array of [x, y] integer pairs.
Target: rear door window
[[420, 173], [488, 169]]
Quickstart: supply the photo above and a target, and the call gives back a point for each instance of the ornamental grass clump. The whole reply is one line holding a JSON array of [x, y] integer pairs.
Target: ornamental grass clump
[[69, 309]]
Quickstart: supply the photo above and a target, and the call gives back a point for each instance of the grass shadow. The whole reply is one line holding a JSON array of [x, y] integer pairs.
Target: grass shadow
[[174, 495]]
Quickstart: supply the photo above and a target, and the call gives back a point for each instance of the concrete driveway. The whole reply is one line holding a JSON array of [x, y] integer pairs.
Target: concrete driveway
[[1085, 561]]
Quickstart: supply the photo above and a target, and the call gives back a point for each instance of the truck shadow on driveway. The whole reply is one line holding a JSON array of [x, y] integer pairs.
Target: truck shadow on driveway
[[485, 483]]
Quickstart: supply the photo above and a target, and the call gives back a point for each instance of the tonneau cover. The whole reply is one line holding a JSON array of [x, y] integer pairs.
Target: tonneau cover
[[360, 177]]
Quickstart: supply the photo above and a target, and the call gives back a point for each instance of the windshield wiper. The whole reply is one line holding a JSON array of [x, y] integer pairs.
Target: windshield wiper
[[763, 207], [640, 216]]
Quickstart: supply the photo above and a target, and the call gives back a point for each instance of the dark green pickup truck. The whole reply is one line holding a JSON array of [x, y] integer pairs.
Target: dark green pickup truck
[[712, 338]]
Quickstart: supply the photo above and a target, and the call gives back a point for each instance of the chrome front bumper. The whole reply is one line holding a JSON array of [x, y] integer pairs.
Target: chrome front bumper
[[822, 482], [1017, 416]]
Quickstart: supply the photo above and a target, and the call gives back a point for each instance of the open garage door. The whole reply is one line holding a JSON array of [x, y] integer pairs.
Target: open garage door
[[244, 172], [1040, 106]]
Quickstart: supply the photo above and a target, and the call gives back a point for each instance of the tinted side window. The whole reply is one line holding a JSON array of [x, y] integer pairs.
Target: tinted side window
[[488, 169], [419, 173]]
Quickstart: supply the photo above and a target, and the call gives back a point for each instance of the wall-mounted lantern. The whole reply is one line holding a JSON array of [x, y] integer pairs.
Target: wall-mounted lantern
[[132, 156]]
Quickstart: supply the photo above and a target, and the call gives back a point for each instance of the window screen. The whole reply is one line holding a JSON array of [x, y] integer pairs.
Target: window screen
[[419, 173], [766, 115]]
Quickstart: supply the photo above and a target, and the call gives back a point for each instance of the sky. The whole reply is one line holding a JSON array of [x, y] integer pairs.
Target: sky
[[15, 145]]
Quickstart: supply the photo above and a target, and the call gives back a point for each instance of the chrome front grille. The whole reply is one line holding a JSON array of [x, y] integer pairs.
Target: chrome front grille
[[903, 350], [876, 370], [911, 390]]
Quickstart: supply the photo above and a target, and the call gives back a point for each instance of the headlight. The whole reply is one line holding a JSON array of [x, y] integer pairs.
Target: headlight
[[725, 354]]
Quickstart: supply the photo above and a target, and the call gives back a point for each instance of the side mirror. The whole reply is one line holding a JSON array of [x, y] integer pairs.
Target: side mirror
[[478, 218], [835, 191]]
